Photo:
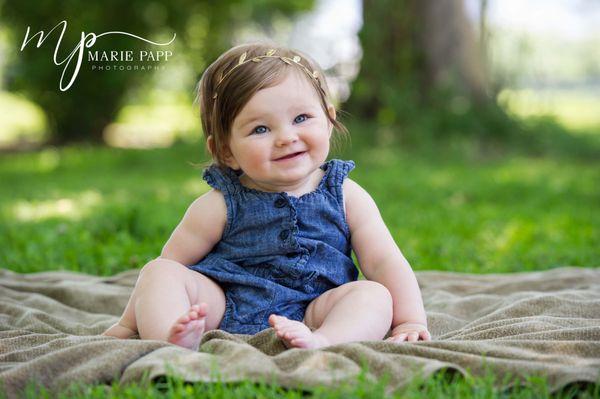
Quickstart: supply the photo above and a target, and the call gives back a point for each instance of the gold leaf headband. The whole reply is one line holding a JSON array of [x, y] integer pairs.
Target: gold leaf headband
[[269, 54]]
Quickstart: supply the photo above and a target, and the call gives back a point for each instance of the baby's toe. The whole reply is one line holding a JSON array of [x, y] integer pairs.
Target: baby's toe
[[192, 315], [198, 311], [281, 331], [273, 320], [291, 336], [288, 330], [177, 328], [201, 309], [278, 321], [285, 325], [195, 307]]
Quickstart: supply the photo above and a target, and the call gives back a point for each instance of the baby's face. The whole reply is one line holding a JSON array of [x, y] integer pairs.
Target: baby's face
[[281, 136]]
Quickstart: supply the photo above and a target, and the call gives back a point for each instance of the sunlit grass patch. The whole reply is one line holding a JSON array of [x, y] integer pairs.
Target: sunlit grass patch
[[21, 120], [159, 122], [575, 110], [155, 124], [64, 208]]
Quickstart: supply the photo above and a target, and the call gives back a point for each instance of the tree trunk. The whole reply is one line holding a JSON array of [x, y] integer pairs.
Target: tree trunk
[[410, 48], [452, 56]]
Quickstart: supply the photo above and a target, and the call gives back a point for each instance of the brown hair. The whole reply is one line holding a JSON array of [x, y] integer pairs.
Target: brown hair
[[237, 89]]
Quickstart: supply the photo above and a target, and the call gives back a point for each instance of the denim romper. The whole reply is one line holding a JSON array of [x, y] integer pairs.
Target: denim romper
[[278, 252]]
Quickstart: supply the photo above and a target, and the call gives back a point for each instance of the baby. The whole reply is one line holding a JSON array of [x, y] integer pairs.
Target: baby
[[270, 244]]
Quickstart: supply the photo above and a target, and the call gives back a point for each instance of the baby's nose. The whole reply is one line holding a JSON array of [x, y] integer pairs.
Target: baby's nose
[[287, 136]]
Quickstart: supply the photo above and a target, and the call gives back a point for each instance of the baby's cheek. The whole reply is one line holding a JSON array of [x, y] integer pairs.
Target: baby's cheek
[[253, 157], [322, 145], [260, 162]]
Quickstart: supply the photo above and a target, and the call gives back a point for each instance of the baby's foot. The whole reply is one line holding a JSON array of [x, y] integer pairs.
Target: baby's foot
[[296, 334], [188, 329]]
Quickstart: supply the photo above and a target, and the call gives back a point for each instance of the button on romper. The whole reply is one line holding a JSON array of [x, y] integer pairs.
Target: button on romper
[[278, 252]]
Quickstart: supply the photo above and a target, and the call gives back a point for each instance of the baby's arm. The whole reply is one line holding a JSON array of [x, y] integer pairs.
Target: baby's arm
[[381, 260], [200, 229]]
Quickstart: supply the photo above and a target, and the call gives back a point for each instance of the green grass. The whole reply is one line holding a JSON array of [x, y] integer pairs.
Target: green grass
[[103, 210], [450, 205], [445, 383]]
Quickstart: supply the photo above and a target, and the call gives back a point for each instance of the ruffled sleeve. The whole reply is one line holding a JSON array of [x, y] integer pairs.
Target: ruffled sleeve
[[225, 180], [220, 179], [337, 171]]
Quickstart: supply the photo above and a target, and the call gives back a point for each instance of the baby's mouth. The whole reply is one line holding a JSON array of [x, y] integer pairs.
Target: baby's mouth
[[289, 156]]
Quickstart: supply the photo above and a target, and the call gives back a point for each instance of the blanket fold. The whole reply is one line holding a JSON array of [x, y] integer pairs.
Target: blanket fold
[[519, 324]]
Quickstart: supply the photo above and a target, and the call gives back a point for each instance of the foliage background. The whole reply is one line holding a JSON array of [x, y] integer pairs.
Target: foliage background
[[462, 179]]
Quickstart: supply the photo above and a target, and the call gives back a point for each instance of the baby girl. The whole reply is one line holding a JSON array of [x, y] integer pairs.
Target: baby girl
[[270, 244]]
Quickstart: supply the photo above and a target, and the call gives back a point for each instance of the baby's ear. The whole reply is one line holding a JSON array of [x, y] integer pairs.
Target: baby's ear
[[230, 159], [228, 156], [210, 145]]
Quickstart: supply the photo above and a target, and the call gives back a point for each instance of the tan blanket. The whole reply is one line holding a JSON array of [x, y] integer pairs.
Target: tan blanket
[[519, 324]]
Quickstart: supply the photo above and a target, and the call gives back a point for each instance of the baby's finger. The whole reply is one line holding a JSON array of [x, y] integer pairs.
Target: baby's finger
[[393, 338], [425, 335], [413, 336], [399, 338]]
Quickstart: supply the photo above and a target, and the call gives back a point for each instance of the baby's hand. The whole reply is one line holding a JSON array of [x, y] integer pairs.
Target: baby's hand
[[409, 331]]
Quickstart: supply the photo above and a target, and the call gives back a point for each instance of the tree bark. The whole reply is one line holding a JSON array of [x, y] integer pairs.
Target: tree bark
[[452, 56], [410, 48]]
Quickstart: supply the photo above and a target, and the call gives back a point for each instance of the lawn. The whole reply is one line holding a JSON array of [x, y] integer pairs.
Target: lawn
[[450, 205]]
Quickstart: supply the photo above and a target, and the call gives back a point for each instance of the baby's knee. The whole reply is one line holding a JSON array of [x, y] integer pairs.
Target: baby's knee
[[373, 290], [161, 268]]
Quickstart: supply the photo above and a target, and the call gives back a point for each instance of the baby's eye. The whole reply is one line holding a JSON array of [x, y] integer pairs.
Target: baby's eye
[[301, 118], [259, 130]]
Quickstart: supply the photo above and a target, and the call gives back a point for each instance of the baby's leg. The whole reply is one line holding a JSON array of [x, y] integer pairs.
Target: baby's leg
[[171, 303], [356, 311]]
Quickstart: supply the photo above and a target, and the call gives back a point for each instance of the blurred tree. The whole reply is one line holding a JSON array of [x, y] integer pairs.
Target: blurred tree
[[452, 57], [81, 114], [416, 55]]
